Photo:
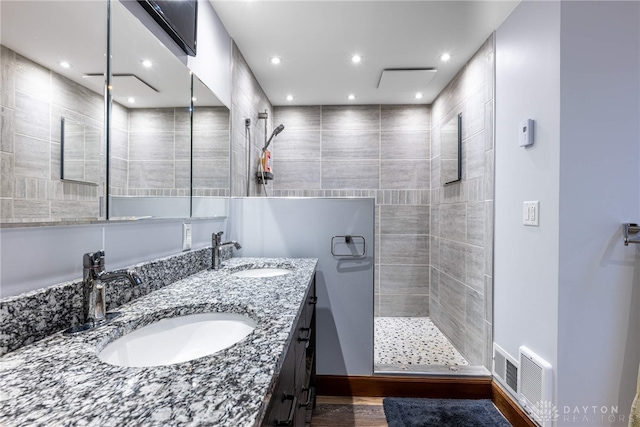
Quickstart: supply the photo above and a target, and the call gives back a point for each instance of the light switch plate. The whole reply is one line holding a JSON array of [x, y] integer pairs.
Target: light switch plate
[[531, 213], [186, 237]]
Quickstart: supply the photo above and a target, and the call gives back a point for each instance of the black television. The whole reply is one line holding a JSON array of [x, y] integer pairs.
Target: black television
[[179, 18]]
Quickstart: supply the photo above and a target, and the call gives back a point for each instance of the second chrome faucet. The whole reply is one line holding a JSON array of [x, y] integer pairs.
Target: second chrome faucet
[[216, 249]]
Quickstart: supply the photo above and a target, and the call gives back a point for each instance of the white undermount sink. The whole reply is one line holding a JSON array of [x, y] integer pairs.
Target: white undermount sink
[[261, 272], [178, 339]]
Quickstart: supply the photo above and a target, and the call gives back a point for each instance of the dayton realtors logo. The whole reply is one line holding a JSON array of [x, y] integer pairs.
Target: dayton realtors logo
[[545, 412], [583, 415]]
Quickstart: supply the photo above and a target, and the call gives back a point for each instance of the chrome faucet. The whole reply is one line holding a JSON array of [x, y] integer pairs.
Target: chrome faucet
[[94, 277], [216, 249]]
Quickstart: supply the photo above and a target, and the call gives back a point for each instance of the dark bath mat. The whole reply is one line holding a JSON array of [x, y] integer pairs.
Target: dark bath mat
[[410, 412]]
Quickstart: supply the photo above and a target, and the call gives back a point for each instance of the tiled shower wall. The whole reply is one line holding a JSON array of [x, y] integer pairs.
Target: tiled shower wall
[[379, 151], [33, 100], [461, 244], [247, 100]]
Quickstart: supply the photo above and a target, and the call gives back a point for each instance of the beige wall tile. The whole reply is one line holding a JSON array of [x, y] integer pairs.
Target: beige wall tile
[[404, 144], [7, 129], [31, 157], [404, 174], [404, 219], [407, 117], [356, 117], [298, 118], [296, 174]]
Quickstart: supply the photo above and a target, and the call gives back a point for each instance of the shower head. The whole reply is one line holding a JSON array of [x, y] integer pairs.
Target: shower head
[[275, 132]]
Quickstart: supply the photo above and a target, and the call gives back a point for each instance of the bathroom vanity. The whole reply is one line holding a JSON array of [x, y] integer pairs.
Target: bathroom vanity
[[265, 379]]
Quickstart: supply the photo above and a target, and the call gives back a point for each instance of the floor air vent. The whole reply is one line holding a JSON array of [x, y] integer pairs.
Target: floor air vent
[[534, 387], [505, 368]]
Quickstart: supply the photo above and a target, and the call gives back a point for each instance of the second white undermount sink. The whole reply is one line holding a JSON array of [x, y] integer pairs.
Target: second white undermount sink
[[261, 272], [178, 339]]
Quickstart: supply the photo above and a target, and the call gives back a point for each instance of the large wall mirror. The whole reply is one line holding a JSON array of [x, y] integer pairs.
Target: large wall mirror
[[150, 126], [47, 49], [211, 154], [53, 120]]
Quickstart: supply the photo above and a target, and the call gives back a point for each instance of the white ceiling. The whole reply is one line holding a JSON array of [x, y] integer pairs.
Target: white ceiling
[[316, 40]]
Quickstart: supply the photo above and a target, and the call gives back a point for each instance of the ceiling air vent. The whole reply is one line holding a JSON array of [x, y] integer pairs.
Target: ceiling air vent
[[406, 79]]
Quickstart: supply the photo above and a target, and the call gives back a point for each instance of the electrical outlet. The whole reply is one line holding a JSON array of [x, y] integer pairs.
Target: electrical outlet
[[186, 237]]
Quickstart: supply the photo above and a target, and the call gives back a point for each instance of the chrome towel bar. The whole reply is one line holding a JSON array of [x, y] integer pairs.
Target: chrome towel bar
[[350, 241], [630, 228]]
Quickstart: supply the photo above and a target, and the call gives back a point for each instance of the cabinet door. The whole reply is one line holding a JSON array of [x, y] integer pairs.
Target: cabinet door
[[310, 302], [283, 405]]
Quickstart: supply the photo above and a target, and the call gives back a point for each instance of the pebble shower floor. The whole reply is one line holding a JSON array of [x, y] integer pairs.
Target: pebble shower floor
[[412, 341]]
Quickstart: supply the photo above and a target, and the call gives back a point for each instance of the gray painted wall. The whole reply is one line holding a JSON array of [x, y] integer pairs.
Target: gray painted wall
[[304, 228], [599, 176], [568, 289]]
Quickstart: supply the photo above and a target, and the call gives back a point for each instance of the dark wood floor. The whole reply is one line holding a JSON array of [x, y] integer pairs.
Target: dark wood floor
[[348, 412]]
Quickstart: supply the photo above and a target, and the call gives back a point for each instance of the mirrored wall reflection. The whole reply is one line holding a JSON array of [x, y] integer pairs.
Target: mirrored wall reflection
[[211, 154], [53, 145], [82, 156], [151, 132], [150, 126], [43, 69]]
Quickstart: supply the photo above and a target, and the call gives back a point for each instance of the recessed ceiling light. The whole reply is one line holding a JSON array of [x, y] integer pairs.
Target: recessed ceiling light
[[356, 59], [275, 60], [445, 57], [351, 97], [147, 63], [289, 97], [419, 95], [131, 100], [65, 64]]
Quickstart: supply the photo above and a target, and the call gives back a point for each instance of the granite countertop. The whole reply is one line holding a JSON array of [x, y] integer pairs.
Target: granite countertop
[[60, 380]]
